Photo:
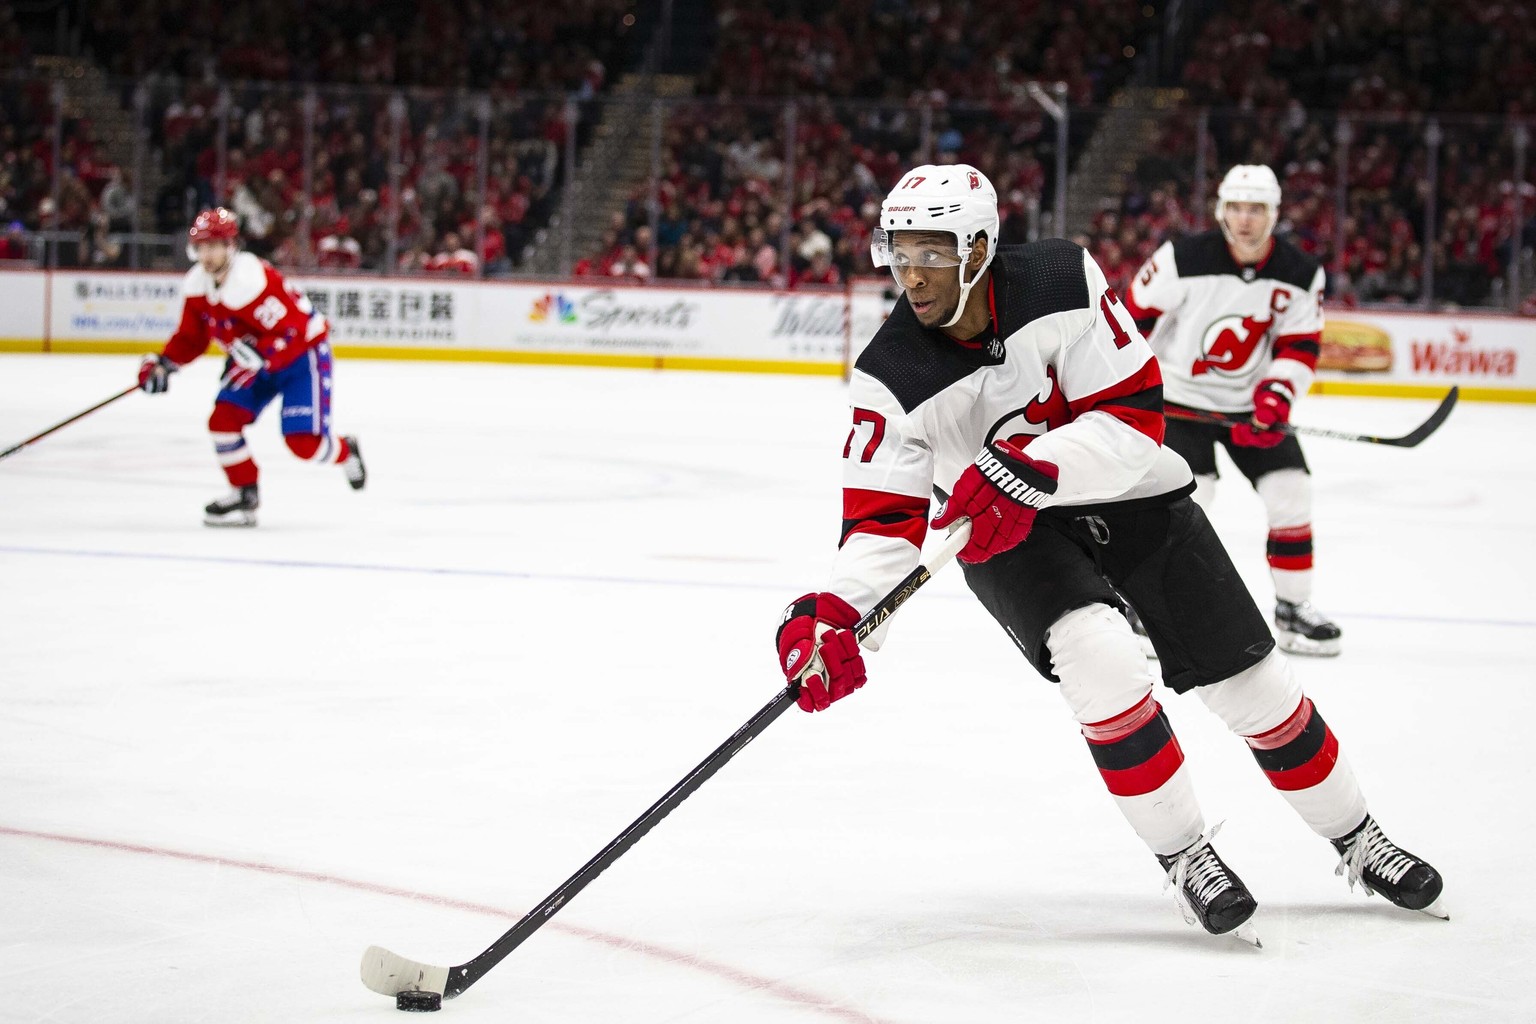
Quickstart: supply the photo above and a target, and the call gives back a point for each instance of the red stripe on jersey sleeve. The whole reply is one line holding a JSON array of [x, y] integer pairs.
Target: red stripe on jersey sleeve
[[1301, 347], [884, 514], [1137, 401]]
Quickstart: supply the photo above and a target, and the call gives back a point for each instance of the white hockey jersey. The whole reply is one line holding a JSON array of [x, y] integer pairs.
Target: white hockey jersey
[[1062, 372], [1222, 327]]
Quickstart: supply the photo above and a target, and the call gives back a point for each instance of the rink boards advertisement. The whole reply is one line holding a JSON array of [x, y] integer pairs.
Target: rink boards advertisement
[[433, 318], [1366, 352], [585, 323]]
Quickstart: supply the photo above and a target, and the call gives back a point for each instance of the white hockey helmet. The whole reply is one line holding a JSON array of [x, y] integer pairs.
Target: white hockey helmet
[[954, 198], [1248, 183]]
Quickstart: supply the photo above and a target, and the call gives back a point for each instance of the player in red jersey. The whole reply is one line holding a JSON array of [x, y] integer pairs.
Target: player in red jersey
[[276, 346]]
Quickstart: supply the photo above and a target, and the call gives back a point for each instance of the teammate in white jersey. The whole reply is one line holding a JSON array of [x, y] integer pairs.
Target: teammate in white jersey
[[1238, 319], [1014, 380]]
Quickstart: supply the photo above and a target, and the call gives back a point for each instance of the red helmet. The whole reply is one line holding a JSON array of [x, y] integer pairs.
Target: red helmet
[[214, 225]]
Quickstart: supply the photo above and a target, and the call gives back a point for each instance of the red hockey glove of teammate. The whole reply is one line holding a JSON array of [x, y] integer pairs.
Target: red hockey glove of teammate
[[1271, 409], [244, 364], [817, 649], [1000, 493], [155, 374]]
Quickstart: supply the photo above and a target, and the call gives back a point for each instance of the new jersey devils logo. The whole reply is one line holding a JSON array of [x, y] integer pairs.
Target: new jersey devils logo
[[1046, 411], [975, 179], [1229, 343]]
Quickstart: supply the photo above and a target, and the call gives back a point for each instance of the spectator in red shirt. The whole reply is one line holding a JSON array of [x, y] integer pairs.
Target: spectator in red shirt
[[453, 258], [13, 245]]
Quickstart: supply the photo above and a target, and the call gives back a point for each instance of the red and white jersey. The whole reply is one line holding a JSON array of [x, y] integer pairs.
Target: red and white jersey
[[253, 303], [1062, 372], [1222, 327]]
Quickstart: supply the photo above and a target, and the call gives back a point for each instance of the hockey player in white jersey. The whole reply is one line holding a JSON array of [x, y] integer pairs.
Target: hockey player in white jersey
[[1238, 319], [1014, 380]]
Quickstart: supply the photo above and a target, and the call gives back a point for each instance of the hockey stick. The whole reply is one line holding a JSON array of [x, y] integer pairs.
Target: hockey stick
[[389, 974], [79, 415], [1409, 440]]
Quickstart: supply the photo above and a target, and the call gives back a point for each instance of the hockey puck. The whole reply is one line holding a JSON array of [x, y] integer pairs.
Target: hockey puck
[[417, 1001]]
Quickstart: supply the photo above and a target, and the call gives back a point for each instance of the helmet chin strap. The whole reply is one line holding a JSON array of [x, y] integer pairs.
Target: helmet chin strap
[[965, 295]]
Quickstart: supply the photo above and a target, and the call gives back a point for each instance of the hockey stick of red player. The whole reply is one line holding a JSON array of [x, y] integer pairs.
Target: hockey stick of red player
[[1408, 440], [79, 415], [390, 974]]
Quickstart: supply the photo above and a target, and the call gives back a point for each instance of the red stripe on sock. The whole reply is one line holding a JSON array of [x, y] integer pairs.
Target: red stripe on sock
[[241, 474], [1286, 731], [1123, 724], [1149, 775], [1296, 563], [1314, 771]]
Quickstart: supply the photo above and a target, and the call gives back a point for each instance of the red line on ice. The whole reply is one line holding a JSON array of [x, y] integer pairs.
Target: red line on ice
[[740, 977]]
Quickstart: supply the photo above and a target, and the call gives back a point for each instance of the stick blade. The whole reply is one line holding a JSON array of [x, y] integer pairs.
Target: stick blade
[[389, 973], [1429, 426]]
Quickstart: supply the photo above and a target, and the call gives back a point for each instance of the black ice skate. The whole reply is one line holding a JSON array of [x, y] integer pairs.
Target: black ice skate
[[237, 508], [1305, 630], [357, 473], [1210, 892], [1367, 856]]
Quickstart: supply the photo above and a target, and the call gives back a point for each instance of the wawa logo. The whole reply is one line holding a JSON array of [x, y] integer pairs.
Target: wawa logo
[[553, 307], [1458, 356]]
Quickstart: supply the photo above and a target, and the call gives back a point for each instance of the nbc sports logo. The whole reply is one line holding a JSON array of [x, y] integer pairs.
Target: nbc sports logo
[[555, 307]]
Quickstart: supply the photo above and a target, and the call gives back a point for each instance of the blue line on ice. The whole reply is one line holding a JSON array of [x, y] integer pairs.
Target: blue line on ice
[[637, 581]]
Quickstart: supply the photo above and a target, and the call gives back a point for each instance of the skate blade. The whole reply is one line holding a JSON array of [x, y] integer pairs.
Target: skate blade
[[1246, 933], [1437, 909], [245, 519], [1295, 643]]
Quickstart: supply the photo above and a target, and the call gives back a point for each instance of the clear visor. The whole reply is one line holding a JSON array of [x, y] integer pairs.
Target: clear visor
[[886, 250]]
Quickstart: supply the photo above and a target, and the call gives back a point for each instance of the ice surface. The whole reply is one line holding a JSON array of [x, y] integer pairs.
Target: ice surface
[[231, 760]]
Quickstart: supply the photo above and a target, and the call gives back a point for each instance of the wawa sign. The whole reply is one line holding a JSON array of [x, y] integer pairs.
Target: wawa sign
[[1472, 351]]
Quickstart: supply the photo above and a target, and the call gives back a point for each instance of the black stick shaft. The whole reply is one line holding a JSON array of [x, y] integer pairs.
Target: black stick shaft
[[465, 975], [1408, 440], [57, 426]]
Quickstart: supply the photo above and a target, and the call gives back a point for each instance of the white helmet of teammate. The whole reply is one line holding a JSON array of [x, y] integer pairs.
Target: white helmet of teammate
[[954, 198], [1248, 183]]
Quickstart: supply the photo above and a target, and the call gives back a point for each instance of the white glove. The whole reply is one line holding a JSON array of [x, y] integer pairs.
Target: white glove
[[243, 366]]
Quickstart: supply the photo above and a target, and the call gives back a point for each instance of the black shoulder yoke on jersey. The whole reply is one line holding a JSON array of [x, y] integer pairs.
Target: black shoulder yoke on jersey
[[1028, 282], [1207, 254]]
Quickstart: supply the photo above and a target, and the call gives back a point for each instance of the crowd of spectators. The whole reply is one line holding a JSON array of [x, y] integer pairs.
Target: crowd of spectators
[[1279, 77], [870, 83], [503, 45], [234, 95], [377, 158], [805, 114]]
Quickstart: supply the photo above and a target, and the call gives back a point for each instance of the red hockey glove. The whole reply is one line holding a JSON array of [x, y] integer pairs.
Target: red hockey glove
[[155, 374], [1271, 408], [817, 649], [1000, 492], [243, 365]]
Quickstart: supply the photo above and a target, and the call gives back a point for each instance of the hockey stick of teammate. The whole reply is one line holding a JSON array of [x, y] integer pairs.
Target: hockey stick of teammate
[[1412, 438], [79, 415], [389, 974]]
